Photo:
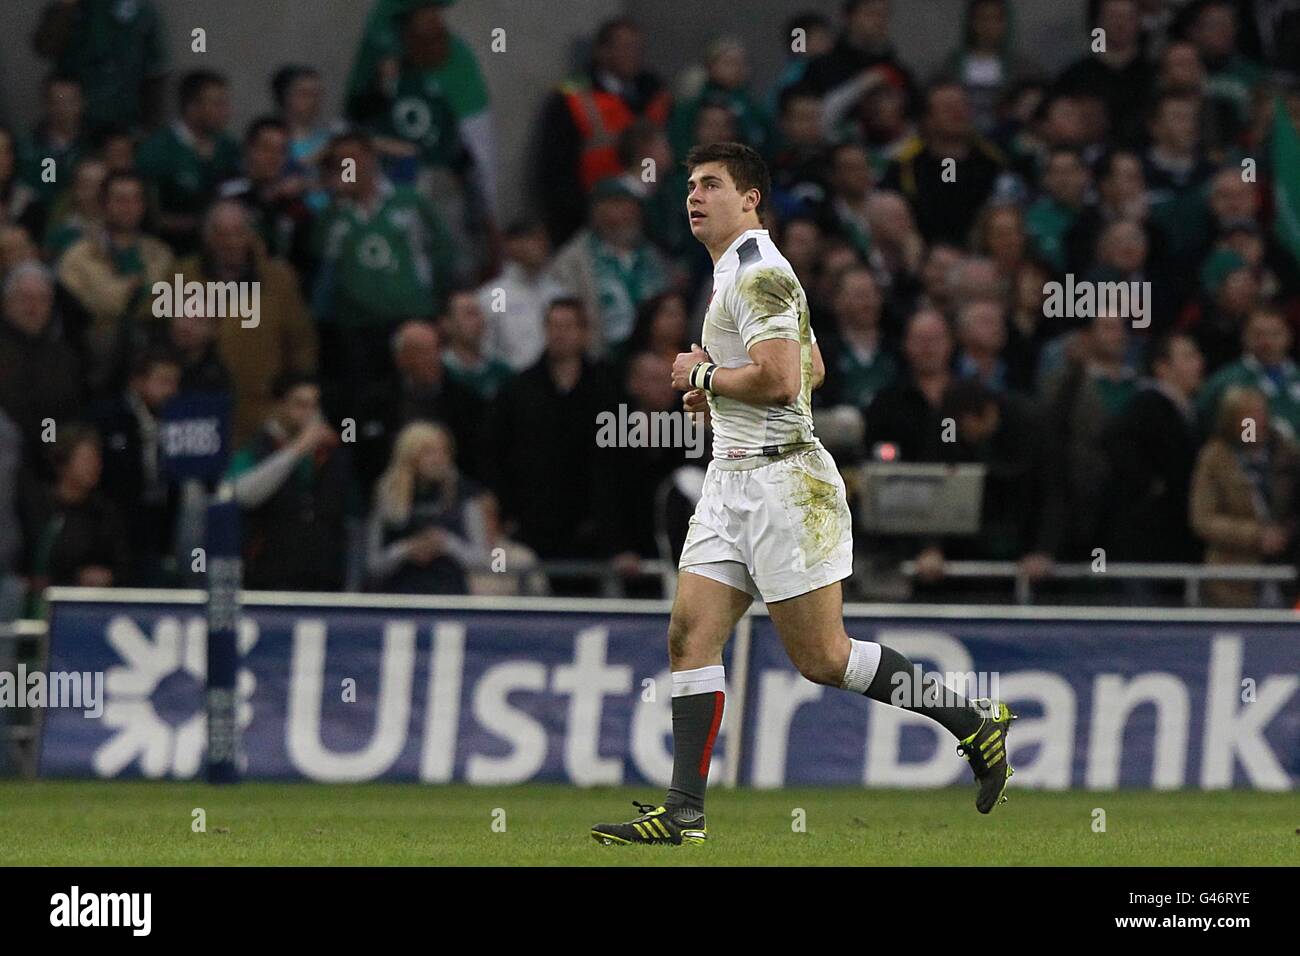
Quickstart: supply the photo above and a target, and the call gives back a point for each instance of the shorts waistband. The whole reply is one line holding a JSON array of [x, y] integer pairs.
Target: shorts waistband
[[769, 455]]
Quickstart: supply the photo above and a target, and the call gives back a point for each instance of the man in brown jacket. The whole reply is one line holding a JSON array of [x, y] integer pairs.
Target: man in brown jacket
[[279, 339], [1243, 500]]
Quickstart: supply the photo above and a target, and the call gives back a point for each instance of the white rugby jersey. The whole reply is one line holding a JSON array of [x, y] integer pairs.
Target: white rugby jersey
[[756, 297]]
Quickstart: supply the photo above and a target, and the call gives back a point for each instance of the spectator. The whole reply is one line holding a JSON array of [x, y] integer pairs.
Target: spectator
[[581, 121], [19, 203], [422, 390], [612, 267], [407, 104], [1231, 294], [939, 273], [1000, 235], [40, 374], [1243, 497], [851, 182], [129, 427], [79, 212], [111, 275], [725, 84], [428, 529], [11, 537], [985, 62], [1116, 70], [897, 250], [16, 247], [1151, 447], [75, 536], [193, 338], [516, 300], [1121, 194], [982, 337], [292, 482], [281, 338], [275, 196], [859, 363], [1265, 366], [1176, 173], [946, 205], [1021, 510], [60, 135], [906, 413], [383, 258], [298, 92], [805, 37], [189, 159], [542, 431], [1050, 219], [1231, 77], [116, 147], [798, 160], [863, 46], [1081, 398], [661, 328], [464, 357], [117, 52], [631, 476], [407, 49]]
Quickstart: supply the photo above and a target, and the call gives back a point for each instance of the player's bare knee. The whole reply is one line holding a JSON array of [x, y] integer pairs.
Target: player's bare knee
[[678, 641]]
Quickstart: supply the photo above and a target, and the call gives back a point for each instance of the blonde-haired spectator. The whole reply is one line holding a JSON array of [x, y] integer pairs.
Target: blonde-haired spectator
[[1243, 503], [429, 527]]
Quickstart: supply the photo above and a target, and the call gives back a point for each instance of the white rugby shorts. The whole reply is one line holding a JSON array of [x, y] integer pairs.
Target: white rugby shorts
[[772, 528]]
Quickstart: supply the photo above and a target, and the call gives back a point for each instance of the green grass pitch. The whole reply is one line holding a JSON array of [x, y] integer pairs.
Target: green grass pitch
[[45, 823]]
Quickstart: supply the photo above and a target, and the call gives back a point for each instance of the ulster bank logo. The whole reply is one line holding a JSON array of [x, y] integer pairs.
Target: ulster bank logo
[[154, 698]]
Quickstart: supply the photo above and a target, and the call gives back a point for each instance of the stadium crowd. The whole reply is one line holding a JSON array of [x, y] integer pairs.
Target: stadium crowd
[[418, 396]]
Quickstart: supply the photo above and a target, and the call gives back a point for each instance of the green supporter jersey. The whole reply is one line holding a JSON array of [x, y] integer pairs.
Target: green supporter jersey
[[1282, 389], [392, 265], [1048, 222], [185, 180], [485, 379], [113, 47], [420, 113], [459, 77]]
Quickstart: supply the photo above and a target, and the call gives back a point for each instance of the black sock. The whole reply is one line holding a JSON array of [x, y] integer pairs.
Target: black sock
[[895, 683], [695, 726]]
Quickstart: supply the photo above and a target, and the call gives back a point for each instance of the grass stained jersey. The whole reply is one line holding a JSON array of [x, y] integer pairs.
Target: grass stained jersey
[[757, 297]]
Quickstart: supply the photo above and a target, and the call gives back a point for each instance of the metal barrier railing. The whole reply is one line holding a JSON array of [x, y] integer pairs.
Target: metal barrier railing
[[1190, 574]]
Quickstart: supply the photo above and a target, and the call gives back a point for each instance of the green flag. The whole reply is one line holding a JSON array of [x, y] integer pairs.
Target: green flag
[[1286, 180]]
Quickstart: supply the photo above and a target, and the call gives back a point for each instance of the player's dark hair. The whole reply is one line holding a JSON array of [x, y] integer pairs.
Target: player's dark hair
[[194, 83], [261, 125], [743, 164], [284, 79]]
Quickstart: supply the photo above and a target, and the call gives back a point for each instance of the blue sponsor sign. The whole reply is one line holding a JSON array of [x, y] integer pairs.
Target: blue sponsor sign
[[476, 694], [194, 435], [365, 694]]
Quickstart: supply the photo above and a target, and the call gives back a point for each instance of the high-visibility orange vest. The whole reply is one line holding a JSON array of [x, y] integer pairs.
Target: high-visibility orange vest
[[600, 117]]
